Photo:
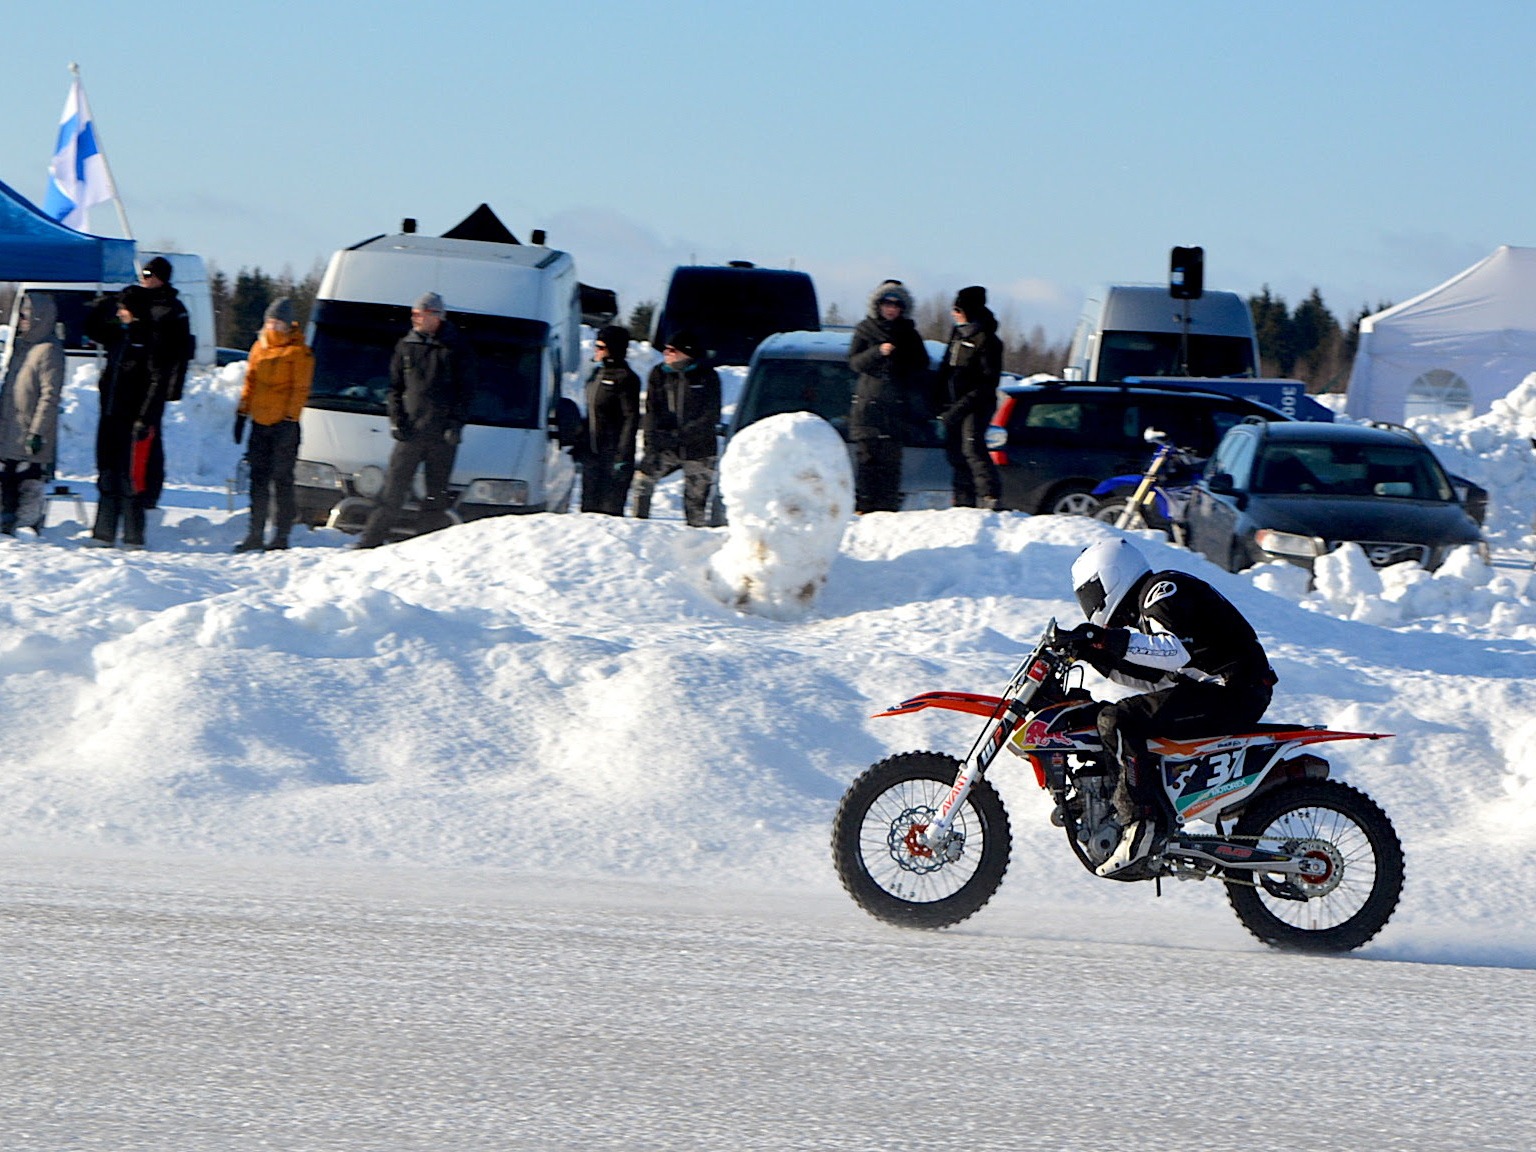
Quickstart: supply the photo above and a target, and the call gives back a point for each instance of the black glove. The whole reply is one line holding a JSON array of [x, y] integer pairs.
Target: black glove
[[34, 445], [141, 430], [401, 431], [452, 434], [239, 427], [1080, 641]]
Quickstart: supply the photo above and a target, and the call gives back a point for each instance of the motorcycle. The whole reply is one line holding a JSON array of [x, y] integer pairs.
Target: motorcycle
[[1309, 863], [1150, 500]]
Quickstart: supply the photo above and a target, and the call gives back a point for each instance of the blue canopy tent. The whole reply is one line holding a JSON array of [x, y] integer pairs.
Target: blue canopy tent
[[34, 247]]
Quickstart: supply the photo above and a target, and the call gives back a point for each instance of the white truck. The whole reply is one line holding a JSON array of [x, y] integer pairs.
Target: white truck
[[519, 306]]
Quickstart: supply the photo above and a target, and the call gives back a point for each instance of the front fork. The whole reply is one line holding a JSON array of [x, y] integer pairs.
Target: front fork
[[936, 835]]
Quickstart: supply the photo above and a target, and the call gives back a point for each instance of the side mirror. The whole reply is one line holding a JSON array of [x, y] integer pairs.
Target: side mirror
[[565, 422], [1222, 485]]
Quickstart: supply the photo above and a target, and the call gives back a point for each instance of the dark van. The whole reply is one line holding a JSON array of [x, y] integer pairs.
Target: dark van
[[730, 309]]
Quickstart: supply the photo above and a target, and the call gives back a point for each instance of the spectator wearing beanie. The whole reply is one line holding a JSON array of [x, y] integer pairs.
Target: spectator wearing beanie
[[277, 379], [171, 344], [888, 354], [682, 411], [432, 381], [967, 397], [613, 418]]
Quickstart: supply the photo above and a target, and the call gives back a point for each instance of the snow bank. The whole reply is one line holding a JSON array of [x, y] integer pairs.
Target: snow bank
[[788, 493], [1495, 451], [200, 451]]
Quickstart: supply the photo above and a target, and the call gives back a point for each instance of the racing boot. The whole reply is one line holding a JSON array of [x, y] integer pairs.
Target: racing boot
[[1136, 844], [1135, 811]]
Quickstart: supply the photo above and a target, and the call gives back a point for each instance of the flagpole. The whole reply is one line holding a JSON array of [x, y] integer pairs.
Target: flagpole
[[122, 215]]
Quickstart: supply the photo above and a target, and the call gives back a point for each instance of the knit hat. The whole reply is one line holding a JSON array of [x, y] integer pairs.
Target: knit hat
[[281, 309], [429, 302], [616, 339], [972, 301], [685, 342], [160, 267]]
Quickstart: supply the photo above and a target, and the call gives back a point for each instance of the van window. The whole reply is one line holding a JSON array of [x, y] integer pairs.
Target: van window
[[731, 310], [355, 342], [777, 385], [1123, 354]]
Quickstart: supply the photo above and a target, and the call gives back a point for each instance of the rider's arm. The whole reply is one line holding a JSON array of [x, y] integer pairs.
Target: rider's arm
[[1133, 658]]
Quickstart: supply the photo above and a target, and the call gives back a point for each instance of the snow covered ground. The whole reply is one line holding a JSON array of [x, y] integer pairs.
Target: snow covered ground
[[531, 830]]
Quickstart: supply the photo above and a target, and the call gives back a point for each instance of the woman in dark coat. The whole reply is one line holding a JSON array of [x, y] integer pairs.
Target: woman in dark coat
[[888, 354], [130, 461]]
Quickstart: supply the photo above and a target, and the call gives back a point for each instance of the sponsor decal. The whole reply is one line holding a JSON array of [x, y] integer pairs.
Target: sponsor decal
[[1235, 851], [1037, 734], [1159, 591]]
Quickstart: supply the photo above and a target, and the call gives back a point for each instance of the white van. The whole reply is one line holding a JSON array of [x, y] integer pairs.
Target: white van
[[519, 307], [1130, 330], [189, 276]]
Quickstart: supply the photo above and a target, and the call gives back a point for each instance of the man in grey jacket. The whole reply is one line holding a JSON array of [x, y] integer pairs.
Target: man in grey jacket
[[29, 413], [431, 384]]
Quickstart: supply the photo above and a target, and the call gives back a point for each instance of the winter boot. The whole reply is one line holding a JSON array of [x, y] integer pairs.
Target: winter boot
[[279, 544], [250, 544], [1136, 844]]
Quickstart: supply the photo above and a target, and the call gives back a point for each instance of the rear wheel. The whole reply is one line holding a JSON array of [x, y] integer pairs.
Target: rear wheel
[[1354, 896], [885, 865]]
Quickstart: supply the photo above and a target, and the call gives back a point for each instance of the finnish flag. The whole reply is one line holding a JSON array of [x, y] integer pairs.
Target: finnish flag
[[78, 177]]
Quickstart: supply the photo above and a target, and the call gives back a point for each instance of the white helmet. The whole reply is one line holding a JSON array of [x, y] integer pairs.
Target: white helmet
[[1101, 576]]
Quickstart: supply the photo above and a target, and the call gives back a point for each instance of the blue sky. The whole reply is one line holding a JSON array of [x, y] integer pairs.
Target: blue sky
[[1371, 149]]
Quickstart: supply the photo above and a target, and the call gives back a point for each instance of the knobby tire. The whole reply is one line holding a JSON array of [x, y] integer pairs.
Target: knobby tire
[[870, 852]]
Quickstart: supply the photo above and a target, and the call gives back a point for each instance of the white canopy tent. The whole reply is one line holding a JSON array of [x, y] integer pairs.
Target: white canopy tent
[[1459, 346]]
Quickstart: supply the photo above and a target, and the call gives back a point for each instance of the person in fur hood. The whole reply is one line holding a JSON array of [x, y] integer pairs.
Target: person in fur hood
[[888, 354], [29, 413]]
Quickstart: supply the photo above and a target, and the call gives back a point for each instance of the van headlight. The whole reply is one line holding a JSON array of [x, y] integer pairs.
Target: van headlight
[[497, 492], [1289, 543], [369, 482], [309, 474]]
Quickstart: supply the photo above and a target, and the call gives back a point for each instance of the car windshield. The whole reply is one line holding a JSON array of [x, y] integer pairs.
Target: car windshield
[[1340, 469], [354, 342], [824, 387], [1123, 354]]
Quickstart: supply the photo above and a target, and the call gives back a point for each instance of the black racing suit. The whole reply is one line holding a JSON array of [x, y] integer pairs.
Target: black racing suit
[[1207, 670]]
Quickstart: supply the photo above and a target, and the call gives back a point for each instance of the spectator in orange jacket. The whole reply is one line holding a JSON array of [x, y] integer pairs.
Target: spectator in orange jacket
[[277, 381]]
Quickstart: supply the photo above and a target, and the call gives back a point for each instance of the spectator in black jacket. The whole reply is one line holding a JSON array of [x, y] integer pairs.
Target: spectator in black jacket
[[613, 418], [967, 388], [888, 354], [130, 463], [682, 411], [432, 381], [171, 344]]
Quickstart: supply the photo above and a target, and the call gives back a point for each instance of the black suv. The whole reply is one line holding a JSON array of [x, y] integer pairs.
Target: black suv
[[1295, 491], [1053, 442]]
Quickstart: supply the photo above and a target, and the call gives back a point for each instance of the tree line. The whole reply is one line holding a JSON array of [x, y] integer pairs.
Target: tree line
[[240, 306]]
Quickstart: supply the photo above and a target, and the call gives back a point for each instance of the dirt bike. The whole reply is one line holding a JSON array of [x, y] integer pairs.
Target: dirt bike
[[1312, 864], [1150, 500]]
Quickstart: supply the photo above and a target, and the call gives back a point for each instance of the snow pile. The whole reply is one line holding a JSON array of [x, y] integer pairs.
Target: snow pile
[[1494, 450], [200, 451], [788, 492]]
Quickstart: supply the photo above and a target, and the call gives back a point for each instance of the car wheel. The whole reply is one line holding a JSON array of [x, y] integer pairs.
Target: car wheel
[[1071, 501]]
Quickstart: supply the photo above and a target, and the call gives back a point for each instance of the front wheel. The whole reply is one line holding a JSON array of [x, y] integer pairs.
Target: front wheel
[[1111, 512], [887, 868], [1346, 904]]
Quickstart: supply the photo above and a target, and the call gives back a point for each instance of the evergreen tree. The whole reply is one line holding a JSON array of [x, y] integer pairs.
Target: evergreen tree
[[248, 306], [641, 317], [834, 317], [1272, 324], [1318, 344], [218, 289]]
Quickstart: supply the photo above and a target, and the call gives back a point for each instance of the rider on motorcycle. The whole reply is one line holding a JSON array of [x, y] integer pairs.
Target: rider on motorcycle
[[1176, 635]]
